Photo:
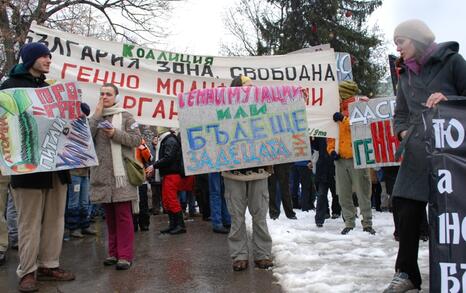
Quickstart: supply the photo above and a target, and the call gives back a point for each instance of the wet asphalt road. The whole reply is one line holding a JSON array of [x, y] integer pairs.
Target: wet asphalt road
[[197, 261]]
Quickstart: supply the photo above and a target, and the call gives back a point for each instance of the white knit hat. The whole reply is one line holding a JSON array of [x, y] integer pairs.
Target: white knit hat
[[415, 29]]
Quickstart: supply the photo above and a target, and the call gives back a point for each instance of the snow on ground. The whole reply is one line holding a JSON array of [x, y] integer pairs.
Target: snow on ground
[[310, 259]]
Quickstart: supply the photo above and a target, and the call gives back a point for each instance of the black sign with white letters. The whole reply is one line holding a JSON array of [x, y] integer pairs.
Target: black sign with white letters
[[446, 145]]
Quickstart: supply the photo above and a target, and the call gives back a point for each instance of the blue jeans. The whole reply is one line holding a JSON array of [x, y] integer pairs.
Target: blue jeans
[[218, 208], [11, 218], [77, 212], [187, 200]]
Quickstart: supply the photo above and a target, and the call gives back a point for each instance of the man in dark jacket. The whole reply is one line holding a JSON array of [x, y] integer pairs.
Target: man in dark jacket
[[168, 167], [40, 198]]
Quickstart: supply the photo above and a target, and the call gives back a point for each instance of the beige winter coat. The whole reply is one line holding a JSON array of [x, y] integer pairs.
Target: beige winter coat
[[103, 186]]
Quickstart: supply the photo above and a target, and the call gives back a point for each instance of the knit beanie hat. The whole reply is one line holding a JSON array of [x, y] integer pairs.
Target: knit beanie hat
[[162, 130], [415, 29], [244, 79], [347, 89], [31, 52]]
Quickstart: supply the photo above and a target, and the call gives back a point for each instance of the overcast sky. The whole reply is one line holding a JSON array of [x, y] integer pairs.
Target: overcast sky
[[197, 26]]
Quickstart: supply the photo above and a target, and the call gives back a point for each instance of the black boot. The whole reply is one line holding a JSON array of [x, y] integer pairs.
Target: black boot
[[180, 227], [171, 225], [135, 222]]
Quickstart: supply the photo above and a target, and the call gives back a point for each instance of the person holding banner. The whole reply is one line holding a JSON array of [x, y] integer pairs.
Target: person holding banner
[[247, 188], [430, 73], [116, 135], [40, 198], [346, 176]]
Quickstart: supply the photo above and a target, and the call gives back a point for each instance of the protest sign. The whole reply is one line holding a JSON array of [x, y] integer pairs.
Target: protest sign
[[150, 79], [240, 127], [372, 135], [41, 130], [445, 132]]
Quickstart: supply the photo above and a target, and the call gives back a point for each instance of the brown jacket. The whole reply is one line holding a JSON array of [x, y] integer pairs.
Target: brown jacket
[[103, 186]]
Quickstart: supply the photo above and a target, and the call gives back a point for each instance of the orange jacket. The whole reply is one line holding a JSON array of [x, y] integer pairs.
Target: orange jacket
[[345, 145]]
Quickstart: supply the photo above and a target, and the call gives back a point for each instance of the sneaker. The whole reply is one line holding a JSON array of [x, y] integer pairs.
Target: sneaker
[[88, 231], [66, 235], [54, 274], [263, 263], [319, 225], [28, 283], [400, 284], [335, 216], [123, 264], [240, 265], [293, 218], [369, 230], [346, 230], [76, 234], [110, 261]]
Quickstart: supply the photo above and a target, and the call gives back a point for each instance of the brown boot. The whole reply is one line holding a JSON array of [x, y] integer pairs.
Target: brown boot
[[28, 283], [263, 263], [240, 265], [55, 274]]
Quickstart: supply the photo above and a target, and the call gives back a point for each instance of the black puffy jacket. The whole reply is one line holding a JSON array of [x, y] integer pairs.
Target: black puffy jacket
[[19, 77]]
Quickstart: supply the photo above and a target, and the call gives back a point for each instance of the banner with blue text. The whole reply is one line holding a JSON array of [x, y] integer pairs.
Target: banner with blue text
[[239, 127]]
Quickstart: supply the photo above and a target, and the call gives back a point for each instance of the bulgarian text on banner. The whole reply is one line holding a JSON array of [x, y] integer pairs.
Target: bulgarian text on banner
[[41, 130], [234, 128], [150, 79], [374, 141]]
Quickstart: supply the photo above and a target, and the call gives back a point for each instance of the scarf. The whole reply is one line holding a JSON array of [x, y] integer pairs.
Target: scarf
[[415, 65], [161, 138], [117, 156]]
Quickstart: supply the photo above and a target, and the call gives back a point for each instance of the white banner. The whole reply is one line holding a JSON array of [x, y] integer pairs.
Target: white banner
[[150, 79]]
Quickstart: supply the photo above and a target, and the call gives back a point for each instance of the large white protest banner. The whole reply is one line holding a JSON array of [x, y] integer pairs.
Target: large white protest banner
[[41, 130], [239, 127], [372, 135], [151, 79]]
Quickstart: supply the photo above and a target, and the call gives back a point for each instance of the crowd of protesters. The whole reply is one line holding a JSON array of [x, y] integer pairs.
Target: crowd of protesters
[[38, 211]]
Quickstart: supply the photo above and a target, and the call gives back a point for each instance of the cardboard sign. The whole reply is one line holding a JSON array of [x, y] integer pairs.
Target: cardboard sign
[[374, 141], [41, 130], [240, 127]]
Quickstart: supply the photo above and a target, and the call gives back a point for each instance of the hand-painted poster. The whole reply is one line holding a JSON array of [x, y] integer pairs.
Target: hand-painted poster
[[232, 128], [372, 135], [41, 129], [149, 79], [446, 145]]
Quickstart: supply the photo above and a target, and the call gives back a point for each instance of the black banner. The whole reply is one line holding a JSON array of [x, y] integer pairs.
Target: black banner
[[446, 144]]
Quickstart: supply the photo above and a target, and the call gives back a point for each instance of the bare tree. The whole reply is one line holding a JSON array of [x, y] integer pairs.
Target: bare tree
[[129, 19]]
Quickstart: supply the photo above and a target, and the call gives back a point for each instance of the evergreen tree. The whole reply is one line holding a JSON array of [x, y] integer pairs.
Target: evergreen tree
[[297, 24]]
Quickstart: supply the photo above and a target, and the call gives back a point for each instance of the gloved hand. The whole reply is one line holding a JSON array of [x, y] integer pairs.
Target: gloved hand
[[338, 117], [85, 109], [335, 156]]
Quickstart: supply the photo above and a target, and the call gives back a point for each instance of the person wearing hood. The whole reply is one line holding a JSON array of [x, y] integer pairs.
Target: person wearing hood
[[40, 198], [431, 73]]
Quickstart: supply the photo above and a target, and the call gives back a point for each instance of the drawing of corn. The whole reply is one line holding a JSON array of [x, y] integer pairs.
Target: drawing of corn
[[19, 140]]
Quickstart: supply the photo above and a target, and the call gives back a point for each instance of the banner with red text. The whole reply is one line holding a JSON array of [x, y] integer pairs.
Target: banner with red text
[[41, 130], [374, 141], [239, 127], [150, 79]]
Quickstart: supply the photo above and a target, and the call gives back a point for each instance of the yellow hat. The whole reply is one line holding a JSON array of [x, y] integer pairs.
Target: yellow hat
[[244, 79], [161, 130], [347, 89]]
